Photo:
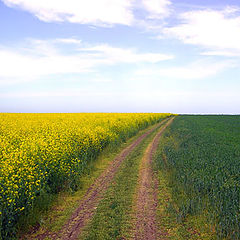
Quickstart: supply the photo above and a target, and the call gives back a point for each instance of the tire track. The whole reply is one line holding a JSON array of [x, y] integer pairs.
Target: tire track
[[87, 206], [145, 224]]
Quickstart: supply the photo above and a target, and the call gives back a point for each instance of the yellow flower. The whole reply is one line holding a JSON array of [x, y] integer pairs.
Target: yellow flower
[[39, 148]]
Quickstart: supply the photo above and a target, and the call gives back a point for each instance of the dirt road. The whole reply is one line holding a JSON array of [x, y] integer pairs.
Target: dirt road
[[146, 226]]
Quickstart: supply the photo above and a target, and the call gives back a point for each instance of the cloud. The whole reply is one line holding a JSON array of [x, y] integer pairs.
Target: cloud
[[68, 40], [127, 55], [38, 58], [96, 12], [226, 53], [41, 58], [195, 70], [217, 31], [157, 8]]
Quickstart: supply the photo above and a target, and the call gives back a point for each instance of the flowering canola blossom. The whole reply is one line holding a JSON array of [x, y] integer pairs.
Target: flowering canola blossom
[[41, 152]]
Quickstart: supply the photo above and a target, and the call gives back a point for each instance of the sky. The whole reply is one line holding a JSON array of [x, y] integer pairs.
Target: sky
[[179, 56]]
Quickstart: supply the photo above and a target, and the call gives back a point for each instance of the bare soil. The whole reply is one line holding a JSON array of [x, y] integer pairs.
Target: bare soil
[[88, 205], [146, 226]]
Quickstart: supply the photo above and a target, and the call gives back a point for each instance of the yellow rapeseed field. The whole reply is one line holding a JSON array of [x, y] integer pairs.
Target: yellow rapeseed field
[[41, 152]]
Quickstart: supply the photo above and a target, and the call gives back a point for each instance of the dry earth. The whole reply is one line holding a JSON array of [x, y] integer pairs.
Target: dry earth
[[146, 226]]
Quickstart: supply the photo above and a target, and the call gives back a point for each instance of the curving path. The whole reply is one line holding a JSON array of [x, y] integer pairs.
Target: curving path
[[146, 226]]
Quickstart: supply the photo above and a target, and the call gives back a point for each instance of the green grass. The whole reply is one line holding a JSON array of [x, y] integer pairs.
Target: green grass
[[201, 166], [114, 214], [55, 209]]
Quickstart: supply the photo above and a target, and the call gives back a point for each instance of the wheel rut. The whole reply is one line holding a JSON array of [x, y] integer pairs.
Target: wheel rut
[[88, 205], [145, 208]]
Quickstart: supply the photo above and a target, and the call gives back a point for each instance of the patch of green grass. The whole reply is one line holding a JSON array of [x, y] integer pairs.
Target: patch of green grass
[[51, 212], [114, 213]]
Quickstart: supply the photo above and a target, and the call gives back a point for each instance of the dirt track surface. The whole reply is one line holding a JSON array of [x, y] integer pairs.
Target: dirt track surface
[[146, 227], [88, 205]]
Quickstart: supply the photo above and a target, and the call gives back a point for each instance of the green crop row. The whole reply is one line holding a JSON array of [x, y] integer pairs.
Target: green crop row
[[202, 156]]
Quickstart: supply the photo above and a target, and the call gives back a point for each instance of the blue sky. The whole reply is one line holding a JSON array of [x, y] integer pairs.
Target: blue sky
[[178, 56]]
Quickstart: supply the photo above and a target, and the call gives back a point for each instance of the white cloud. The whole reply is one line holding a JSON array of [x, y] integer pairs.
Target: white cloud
[[196, 70], [38, 61], [68, 40], [227, 53], [157, 8], [96, 12], [128, 55], [217, 31], [43, 58]]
